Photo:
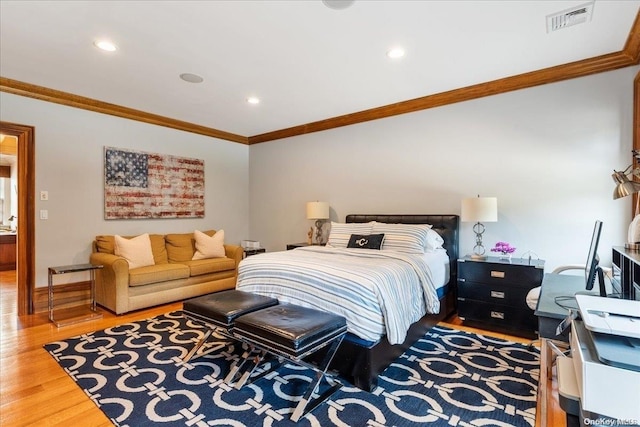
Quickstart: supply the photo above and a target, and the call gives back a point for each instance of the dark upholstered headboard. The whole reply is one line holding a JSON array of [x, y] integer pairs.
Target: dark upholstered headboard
[[446, 225]]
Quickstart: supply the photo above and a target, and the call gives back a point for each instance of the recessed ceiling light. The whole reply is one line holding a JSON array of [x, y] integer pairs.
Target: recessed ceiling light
[[338, 4], [191, 78], [105, 45], [396, 52], [253, 100]]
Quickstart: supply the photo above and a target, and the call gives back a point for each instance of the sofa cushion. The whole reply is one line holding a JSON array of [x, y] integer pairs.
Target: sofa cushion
[[211, 265], [137, 250], [209, 246], [181, 247], [157, 273], [106, 244]]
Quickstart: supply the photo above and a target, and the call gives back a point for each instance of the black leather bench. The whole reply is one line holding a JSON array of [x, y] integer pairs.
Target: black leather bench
[[218, 311], [287, 331], [294, 332]]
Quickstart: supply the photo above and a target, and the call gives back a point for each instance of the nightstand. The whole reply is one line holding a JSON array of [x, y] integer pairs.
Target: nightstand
[[301, 245], [253, 251], [492, 293]]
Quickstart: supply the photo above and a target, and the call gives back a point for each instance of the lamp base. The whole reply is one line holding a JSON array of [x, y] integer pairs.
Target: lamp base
[[632, 247], [478, 257]]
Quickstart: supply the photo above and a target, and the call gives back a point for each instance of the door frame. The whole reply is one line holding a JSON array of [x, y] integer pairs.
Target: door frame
[[26, 213]]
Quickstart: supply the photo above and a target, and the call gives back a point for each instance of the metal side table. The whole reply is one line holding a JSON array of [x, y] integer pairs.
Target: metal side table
[[74, 314]]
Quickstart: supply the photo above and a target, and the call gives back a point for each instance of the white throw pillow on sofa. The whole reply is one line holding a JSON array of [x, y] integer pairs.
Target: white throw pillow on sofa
[[137, 250], [209, 247]]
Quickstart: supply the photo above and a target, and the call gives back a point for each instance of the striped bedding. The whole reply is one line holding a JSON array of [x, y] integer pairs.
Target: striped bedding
[[378, 292]]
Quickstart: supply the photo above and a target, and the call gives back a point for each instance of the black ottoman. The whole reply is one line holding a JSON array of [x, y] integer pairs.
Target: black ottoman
[[294, 332], [219, 311]]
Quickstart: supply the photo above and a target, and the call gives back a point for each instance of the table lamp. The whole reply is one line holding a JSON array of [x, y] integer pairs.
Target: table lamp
[[479, 210], [320, 212]]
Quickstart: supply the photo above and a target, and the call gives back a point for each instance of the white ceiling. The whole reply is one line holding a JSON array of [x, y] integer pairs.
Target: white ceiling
[[305, 61]]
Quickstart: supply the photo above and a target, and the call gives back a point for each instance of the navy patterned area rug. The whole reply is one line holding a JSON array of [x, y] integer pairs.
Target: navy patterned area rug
[[135, 375]]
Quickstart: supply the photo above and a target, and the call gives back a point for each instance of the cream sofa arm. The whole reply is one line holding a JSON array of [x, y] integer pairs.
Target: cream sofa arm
[[112, 282], [234, 252]]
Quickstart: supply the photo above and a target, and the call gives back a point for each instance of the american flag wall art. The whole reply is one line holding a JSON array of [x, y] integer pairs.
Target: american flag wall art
[[140, 185]]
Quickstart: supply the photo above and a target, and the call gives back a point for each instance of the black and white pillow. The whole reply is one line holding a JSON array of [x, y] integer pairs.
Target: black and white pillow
[[366, 241]]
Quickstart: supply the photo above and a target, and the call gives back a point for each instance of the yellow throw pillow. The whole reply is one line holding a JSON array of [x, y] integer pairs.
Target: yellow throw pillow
[[137, 250], [209, 247]]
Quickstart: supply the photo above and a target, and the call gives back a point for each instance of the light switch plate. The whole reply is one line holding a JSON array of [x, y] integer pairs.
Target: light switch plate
[[44, 214], [44, 195]]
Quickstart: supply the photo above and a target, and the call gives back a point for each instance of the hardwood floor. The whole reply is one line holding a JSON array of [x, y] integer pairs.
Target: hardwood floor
[[34, 390]]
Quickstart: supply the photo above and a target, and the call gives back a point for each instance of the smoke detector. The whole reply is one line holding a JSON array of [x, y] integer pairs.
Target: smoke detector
[[569, 17]]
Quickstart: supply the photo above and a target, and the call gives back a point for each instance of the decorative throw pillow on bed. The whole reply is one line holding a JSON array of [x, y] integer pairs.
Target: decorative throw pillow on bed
[[369, 241], [137, 250], [434, 241], [209, 247], [341, 232], [409, 238]]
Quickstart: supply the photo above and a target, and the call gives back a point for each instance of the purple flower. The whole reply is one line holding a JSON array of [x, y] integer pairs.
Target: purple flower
[[503, 247]]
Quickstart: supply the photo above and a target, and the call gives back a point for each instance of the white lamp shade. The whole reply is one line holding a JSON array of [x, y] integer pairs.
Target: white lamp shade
[[479, 209], [317, 210]]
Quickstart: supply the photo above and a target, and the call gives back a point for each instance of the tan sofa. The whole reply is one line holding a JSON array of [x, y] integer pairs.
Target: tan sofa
[[174, 277]]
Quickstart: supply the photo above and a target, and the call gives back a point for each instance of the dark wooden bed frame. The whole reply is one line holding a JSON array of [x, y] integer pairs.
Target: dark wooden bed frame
[[361, 364]]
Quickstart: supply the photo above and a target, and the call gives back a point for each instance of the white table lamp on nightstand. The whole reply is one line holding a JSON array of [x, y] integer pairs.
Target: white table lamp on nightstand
[[479, 210], [320, 212]]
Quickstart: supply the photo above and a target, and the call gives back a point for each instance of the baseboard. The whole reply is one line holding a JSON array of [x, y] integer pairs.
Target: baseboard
[[64, 296]]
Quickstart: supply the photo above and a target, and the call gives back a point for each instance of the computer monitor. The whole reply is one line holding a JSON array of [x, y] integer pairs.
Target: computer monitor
[[592, 268]]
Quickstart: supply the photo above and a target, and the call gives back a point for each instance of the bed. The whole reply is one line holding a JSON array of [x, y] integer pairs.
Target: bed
[[365, 285]]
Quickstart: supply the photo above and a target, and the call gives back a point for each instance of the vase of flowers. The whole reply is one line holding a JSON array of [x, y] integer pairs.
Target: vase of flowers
[[505, 250]]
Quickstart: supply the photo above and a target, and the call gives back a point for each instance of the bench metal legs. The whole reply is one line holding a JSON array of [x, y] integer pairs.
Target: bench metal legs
[[197, 351], [249, 362], [306, 405]]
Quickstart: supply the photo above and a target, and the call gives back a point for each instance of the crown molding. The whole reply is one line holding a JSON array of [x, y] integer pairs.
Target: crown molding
[[51, 95], [630, 55]]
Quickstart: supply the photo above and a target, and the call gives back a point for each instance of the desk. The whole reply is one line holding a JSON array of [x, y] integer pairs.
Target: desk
[[550, 314]]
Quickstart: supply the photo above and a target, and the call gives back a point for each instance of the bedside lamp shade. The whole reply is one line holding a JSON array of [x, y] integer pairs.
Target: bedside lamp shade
[[317, 210], [479, 210]]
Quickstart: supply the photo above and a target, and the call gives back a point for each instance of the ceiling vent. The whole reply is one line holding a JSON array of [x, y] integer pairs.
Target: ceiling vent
[[567, 18]]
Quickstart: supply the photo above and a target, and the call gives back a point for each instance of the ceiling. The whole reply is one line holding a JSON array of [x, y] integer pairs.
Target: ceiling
[[306, 62]]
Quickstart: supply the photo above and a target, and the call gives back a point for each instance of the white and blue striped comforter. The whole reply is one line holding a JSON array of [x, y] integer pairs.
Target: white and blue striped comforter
[[378, 292]]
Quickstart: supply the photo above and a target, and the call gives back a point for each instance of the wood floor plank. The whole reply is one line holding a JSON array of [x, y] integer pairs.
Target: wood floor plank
[[35, 391]]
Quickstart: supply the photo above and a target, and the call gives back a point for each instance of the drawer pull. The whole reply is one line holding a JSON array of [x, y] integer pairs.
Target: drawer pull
[[496, 294], [497, 274], [497, 315]]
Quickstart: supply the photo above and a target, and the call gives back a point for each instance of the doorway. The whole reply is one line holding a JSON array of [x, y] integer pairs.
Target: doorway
[[25, 264]]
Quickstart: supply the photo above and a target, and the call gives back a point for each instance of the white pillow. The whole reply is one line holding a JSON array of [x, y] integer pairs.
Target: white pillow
[[209, 247], [341, 232], [408, 238], [137, 250], [434, 241]]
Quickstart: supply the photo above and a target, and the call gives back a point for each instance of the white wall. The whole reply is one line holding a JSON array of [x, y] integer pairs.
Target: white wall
[[547, 154], [69, 165]]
